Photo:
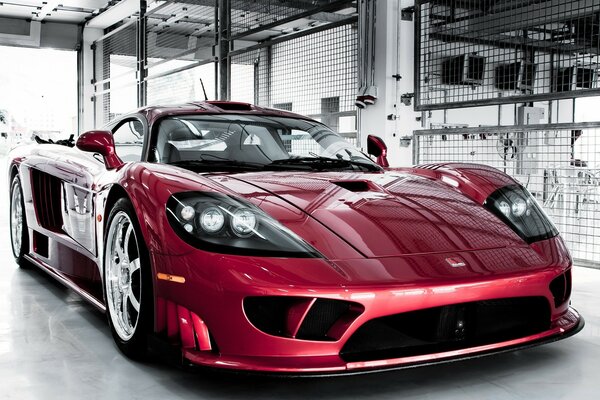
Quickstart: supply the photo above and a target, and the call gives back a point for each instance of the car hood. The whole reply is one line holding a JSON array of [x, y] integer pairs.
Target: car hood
[[379, 214]]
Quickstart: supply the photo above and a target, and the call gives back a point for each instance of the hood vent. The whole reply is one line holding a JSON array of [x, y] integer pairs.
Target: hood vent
[[357, 186]]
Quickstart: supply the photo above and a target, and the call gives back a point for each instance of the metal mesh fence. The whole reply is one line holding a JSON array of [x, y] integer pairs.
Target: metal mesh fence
[[247, 73], [182, 86], [180, 36], [477, 52], [558, 163], [178, 52], [314, 75]]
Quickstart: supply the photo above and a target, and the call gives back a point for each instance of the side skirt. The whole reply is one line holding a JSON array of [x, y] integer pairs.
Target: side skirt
[[65, 281]]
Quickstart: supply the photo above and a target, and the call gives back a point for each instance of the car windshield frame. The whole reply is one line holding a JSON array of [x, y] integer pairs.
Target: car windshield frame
[[260, 142]]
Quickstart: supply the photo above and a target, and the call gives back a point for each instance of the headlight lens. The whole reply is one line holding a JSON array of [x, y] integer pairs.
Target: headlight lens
[[519, 210], [225, 224], [187, 213], [212, 219], [519, 207], [504, 208], [243, 222]]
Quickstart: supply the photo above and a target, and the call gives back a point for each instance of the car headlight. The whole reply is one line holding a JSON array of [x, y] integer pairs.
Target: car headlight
[[225, 224], [520, 211]]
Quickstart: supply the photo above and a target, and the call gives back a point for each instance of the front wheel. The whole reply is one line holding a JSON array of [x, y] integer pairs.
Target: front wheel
[[127, 281], [19, 235]]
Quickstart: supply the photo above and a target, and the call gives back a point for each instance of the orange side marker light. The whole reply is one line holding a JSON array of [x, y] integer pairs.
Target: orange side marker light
[[170, 278]]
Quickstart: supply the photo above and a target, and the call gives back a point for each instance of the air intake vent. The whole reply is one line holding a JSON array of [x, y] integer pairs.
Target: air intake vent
[[321, 317], [561, 288], [231, 106], [354, 186], [301, 317], [46, 198], [447, 328]]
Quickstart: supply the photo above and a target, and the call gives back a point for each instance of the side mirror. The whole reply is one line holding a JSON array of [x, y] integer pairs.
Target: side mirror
[[100, 142], [377, 148]]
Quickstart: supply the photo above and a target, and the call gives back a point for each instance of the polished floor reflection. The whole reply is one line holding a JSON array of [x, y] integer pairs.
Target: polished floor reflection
[[53, 345]]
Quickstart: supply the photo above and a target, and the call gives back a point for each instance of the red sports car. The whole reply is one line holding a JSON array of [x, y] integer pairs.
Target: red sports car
[[248, 238]]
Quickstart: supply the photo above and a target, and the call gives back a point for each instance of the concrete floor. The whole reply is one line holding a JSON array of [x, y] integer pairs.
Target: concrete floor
[[53, 345]]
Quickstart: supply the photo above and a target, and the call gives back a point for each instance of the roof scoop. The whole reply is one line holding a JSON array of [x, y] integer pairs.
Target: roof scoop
[[231, 105]]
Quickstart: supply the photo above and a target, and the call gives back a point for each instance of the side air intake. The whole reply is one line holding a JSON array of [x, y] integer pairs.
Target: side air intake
[[47, 200]]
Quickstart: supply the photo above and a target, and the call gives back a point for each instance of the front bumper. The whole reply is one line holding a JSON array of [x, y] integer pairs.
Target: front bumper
[[216, 285], [566, 326]]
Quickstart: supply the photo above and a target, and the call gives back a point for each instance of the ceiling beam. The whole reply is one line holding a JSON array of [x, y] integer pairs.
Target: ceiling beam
[[112, 15], [519, 18], [283, 9], [45, 10], [504, 41]]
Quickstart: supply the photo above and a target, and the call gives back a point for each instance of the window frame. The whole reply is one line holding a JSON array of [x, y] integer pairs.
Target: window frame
[[117, 124]]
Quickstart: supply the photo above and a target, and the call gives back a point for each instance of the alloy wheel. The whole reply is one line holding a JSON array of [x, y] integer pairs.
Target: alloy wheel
[[123, 279]]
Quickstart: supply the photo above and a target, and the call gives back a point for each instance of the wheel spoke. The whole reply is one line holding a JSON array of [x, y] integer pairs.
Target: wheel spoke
[[125, 314], [125, 243], [120, 254], [134, 302], [134, 265]]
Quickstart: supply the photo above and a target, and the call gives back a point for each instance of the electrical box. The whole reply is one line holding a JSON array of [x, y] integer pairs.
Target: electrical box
[[530, 115], [526, 159]]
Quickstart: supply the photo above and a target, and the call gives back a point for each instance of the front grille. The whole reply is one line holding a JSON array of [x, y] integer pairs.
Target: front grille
[[447, 328]]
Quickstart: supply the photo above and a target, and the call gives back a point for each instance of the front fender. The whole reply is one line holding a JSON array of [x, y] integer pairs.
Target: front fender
[[149, 186], [476, 181]]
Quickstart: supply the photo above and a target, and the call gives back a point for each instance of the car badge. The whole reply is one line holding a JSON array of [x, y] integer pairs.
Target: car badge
[[456, 262]]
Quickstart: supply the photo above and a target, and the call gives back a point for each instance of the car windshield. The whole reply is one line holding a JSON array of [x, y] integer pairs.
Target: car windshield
[[216, 142]]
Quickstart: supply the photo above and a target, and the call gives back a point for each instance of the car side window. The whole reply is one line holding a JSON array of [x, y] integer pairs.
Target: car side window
[[129, 140]]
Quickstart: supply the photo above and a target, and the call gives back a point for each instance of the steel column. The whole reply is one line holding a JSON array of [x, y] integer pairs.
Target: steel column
[[141, 56], [224, 35]]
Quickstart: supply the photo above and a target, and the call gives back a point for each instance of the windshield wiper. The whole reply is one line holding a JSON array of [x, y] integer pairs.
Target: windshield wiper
[[324, 163], [218, 164]]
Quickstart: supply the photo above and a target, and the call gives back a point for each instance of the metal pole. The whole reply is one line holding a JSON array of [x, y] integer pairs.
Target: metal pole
[[141, 56], [80, 83], [224, 47]]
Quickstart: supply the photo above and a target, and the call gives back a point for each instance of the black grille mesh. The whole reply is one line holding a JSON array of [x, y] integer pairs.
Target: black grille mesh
[[447, 328], [321, 317]]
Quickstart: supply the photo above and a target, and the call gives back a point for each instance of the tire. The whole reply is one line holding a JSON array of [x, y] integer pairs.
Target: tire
[[19, 233], [127, 282]]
